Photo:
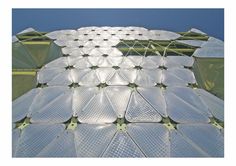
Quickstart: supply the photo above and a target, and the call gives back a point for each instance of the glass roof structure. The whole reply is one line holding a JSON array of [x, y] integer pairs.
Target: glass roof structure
[[117, 92]]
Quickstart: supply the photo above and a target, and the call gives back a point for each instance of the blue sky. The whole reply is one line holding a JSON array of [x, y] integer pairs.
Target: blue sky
[[211, 21]]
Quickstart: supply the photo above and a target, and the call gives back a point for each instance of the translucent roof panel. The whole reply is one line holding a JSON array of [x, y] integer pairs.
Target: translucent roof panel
[[92, 140], [205, 136], [27, 30], [15, 140], [42, 105], [63, 146], [215, 105], [197, 31], [181, 146], [212, 48], [155, 97], [54, 34], [152, 138], [163, 35], [139, 110], [190, 107], [14, 39], [196, 43], [21, 106], [36, 137], [178, 61], [117, 92], [98, 110], [178, 77]]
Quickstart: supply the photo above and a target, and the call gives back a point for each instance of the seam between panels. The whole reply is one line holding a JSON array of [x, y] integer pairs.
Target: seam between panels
[[18, 143], [102, 111], [109, 144], [110, 77], [149, 103], [49, 68], [43, 147], [136, 144], [94, 95], [72, 102], [190, 105], [84, 74], [169, 140], [50, 103], [211, 113], [122, 75], [58, 76], [164, 98], [193, 144], [174, 75], [59, 135], [128, 103], [114, 110], [75, 142], [30, 111]]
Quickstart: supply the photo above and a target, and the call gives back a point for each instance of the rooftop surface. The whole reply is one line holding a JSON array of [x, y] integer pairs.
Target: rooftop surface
[[118, 92]]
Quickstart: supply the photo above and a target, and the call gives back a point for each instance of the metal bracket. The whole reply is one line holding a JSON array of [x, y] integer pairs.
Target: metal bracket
[[121, 126], [24, 124], [171, 125], [72, 124], [216, 123]]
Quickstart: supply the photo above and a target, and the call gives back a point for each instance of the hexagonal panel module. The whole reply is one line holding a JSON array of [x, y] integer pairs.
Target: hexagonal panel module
[[118, 92]]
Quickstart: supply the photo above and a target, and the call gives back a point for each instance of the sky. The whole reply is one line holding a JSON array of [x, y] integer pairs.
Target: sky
[[210, 21]]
